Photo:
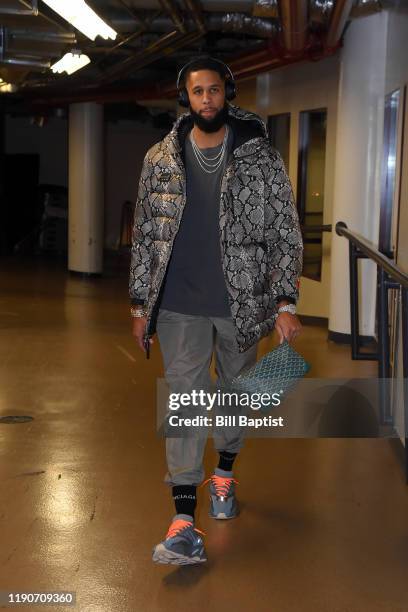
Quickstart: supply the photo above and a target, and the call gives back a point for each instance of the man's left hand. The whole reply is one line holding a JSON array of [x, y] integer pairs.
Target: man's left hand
[[288, 326]]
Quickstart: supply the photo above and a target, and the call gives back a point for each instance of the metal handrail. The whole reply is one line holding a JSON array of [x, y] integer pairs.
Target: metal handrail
[[366, 247], [389, 276]]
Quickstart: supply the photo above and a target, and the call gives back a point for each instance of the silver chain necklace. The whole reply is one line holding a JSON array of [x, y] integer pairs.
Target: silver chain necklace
[[206, 161]]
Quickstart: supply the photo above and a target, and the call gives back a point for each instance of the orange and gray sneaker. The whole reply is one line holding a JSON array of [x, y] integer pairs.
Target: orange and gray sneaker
[[183, 544], [223, 503]]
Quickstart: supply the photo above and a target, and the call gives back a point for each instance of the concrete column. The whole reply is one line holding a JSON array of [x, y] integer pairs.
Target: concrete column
[[357, 172], [86, 188]]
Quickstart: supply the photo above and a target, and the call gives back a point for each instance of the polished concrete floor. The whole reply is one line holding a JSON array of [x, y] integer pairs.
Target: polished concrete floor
[[324, 522]]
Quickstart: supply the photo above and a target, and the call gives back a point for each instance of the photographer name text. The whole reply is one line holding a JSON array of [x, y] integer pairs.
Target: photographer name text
[[231, 420]]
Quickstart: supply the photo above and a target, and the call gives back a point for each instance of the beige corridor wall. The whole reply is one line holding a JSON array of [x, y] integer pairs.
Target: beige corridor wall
[[295, 88]]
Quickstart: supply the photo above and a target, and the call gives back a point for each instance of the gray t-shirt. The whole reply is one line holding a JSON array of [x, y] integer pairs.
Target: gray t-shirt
[[194, 282]]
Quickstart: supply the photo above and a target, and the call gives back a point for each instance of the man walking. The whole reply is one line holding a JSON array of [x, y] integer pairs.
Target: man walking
[[216, 258]]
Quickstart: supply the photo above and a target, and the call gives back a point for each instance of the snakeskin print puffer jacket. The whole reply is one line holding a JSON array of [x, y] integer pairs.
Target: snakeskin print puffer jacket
[[260, 238]]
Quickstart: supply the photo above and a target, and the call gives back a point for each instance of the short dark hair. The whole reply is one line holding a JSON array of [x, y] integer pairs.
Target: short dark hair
[[204, 62]]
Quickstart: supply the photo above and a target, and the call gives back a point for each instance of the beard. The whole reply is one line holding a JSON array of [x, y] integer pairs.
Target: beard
[[213, 124]]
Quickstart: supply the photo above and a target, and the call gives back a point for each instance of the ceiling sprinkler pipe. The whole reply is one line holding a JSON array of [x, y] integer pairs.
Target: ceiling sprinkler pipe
[[13, 61], [63, 38]]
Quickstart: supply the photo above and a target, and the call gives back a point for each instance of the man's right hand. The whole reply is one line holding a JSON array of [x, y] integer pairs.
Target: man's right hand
[[139, 328]]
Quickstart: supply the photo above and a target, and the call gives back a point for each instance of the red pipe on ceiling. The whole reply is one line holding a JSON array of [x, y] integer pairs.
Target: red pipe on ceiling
[[293, 15], [338, 19], [242, 68]]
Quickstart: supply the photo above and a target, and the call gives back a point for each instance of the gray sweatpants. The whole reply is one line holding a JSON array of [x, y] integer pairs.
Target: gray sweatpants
[[187, 343]]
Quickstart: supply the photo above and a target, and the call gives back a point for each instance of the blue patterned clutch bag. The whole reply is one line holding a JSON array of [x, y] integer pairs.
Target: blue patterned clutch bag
[[277, 371]]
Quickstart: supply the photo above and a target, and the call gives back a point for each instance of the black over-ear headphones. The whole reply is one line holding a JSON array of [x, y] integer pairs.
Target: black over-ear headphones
[[230, 88]]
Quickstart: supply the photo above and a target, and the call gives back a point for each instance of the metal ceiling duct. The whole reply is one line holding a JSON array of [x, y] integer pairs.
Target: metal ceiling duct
[[321, 10], [225, 22], [265, 8], [238, 23], [183, 23], [294, 23], [339, 17], [241, 23]]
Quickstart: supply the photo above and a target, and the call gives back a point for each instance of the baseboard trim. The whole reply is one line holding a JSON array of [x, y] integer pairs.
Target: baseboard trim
[[341, 338], [311, 320]]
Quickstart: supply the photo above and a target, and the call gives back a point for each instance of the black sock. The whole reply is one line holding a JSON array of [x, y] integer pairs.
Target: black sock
[[185, 499], [226, 460]]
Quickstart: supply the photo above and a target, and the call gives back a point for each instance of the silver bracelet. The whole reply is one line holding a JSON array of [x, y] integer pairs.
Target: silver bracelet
[[287, 308], [137, 312]]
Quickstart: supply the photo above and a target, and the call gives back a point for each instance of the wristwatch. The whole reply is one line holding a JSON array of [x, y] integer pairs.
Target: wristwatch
[[137, 311], [287, 308]]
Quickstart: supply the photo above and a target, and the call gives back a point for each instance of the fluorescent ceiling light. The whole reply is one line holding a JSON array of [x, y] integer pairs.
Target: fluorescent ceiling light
[[70, 63], [7, 87], [82, 17]]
